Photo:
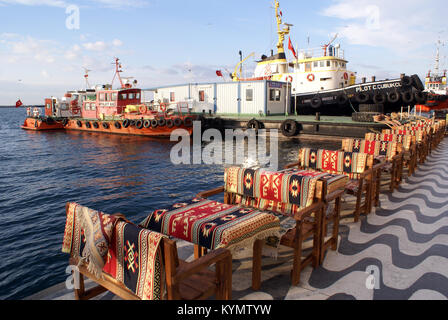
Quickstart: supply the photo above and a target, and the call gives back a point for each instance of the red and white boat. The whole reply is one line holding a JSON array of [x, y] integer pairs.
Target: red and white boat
[[436, 89], [109, 110]]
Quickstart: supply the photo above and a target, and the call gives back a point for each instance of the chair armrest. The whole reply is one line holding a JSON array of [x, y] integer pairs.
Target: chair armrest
[[370, 171], [212, 192], [190, 268], [335, 194], [379, 166], [292, 165], [306, 212]]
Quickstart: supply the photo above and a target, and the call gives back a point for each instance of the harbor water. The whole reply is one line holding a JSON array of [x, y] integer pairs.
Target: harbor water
[[41, 171]]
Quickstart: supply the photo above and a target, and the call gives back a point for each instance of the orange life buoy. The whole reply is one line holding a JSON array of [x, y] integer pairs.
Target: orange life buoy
[[346, 76], [310, 77], [289, 79], [142, 109]]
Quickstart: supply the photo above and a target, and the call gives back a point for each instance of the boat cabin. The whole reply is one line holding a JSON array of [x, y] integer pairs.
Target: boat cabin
[[108, 102]]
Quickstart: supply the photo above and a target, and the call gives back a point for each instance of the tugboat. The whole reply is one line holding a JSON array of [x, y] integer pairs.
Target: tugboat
[[320, 81], [108, 110], [436, 88]]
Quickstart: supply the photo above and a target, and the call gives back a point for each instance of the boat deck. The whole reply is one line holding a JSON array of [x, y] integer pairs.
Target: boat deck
[[404, 241]]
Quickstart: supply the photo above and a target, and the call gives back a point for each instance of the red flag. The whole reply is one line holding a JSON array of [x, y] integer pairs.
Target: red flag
[[281, 13], [18, 103], [219, 73], [291, 47]]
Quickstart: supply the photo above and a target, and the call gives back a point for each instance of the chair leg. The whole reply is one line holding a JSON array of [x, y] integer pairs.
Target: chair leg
[[297, 260], [256, 264]]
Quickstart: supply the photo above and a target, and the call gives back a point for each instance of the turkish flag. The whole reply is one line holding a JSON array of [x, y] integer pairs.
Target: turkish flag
[[219, 73], [18, 103], [291, 47]]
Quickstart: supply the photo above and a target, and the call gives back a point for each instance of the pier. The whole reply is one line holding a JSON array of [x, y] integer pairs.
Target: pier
[[398, 251]]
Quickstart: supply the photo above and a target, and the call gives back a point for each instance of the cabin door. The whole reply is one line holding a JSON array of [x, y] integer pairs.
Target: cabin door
[[308, 67]]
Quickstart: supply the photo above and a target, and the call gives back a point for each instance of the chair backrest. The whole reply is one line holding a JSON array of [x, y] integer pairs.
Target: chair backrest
[[282, 192], [405, 140], [351, 164], [388, 149], [418, 134]]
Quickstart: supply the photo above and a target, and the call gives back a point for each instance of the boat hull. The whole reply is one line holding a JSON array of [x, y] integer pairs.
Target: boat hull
[[162, 132], [36, 124]]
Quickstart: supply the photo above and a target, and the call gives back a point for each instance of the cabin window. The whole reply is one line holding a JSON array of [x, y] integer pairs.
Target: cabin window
[[92, 106], [87, 106], [107, 96], [114, 96], [274, 94], [202, 95], [335, 64], [308, 67], [315, 64], [321, 64], [131, 96], [137, 95], [328, 63], [124, 96], [172, 97], [102, 96], [249, 94]]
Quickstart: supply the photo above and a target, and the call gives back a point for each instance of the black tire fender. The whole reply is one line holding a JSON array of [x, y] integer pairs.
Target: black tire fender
[[289, 128]]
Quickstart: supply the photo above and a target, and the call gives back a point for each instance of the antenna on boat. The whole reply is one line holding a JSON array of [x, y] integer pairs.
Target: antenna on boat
[[325, 46], [86, 76], [117, 72]]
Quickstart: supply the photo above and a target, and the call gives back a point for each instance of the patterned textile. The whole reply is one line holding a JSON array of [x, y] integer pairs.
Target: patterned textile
[[416, 133], [353, 186], [334, 162], [135, 260], [272, 188], [87, 236], [127, 253], [405, 140], [213, 225], [387, 149]]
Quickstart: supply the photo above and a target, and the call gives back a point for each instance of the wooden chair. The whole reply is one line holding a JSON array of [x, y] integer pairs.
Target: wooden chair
[[387, 154], [308, 225], [362, 175], [184, 280]]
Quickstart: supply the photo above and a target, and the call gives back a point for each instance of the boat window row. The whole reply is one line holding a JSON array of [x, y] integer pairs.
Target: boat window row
[[89, 106], [274, 94]]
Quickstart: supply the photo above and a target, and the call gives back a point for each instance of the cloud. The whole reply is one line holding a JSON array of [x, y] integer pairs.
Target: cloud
[[117, 43], [95, 46], [113, 4], [389, 24]]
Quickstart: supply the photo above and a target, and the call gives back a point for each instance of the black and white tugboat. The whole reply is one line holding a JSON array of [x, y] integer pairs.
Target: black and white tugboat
[[321, 82]]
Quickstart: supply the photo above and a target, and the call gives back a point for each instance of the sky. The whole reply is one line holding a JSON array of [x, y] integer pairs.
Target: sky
[[45, 44]]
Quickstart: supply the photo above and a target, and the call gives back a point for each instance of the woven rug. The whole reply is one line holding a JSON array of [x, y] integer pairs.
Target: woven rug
[[126, 252], [213, 225], [135, 260], [87, 236]]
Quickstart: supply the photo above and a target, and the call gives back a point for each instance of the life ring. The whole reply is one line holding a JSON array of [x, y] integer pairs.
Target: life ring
[[163, 107], [154, 123], [105, 125], [346, 76], [147, 124], [289, 79], [289, 128], [142, 109], [117, 125], [310, 77]]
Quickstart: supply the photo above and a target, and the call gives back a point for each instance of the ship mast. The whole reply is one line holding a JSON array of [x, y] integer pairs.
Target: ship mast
[[117, 73], [437, 62], [281, 32]]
